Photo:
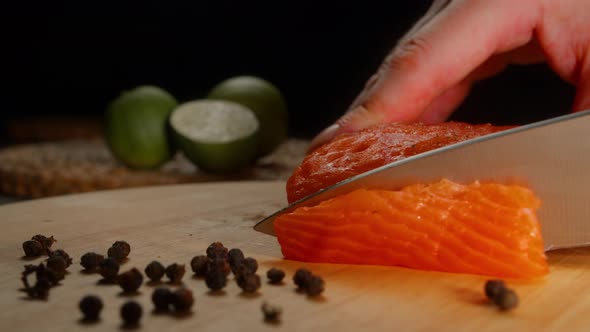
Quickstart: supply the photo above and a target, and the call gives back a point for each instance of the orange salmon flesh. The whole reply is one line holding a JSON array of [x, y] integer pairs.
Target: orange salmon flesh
[[480, 228], [351, 154]]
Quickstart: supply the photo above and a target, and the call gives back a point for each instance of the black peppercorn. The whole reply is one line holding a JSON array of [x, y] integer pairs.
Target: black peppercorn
[[182, 300], [40, 290], [119, 251], [215, 280], [275, 275], [245, 266], [218, 264], [90, 305], [493, 287], [251, 264], [91, 260], [155, 271], [57, 264], [50, 274], [162, 299], [506, 299], [131, 313], [33, 248], [199, 265], [272, 313], [42, 287], [249, 283], [63, 254], [301, 278], [44, 272], [45, 241], [175, 272], [109, 268], [217, 250], [315, 286], [130, 280], [235, 257], [503, 297]]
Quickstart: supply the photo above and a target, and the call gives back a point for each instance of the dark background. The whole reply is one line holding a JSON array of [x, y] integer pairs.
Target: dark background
[[69, 58]]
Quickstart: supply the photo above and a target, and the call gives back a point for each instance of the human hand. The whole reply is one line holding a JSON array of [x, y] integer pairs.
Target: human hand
[[458, 42]]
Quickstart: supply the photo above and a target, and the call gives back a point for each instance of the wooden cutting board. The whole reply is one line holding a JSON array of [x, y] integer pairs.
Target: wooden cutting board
[[173, 223]]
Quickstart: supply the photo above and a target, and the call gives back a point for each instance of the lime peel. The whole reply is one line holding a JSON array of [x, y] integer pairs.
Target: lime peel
[[217, 136]]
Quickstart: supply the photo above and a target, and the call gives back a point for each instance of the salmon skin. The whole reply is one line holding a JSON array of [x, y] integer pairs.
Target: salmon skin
[[479, 228], [351, 154]]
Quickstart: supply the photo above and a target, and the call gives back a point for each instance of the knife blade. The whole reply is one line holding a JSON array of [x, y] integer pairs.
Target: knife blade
[[551, 157]]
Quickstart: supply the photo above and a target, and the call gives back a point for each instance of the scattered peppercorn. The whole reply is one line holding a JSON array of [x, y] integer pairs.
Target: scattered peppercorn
[[215, 279], [182, 300], [217, 250], [272, 313], [251, 264], [116, 253], [315, 286], [275, 275], [119, 251], [155, 271], [63, 254], [33, 248], [45, 279], [309, 283], [301, 278], [91, 260], [199, 265], [245, 266], [493, 287], [131, 313], [175, 272], [109, 268], [44, 272], [506, 299], [219, 264], [249, 283], [130, 280], [235, 257], [162, 298], [46, 242], [239, 268], [56, 263], [41, 288], [90, 305]]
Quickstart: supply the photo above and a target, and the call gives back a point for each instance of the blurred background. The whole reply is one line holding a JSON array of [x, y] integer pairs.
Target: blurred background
[[63, 61]]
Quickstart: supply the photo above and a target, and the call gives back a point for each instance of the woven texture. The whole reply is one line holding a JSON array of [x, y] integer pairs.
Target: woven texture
[[57, 168]]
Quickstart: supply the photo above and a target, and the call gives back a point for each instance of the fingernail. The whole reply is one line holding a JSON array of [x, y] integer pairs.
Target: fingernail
[[324, 137]]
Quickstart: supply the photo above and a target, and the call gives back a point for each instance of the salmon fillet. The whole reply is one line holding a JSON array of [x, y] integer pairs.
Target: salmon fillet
[[479, 228], [355, 153]]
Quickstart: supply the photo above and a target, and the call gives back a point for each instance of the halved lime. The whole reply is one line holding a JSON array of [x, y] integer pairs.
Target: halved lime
[[265, 100], [136, 126], [218, 136]]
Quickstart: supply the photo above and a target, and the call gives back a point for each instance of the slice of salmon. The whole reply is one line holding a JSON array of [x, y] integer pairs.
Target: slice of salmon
[[480, 228], [351, 154]]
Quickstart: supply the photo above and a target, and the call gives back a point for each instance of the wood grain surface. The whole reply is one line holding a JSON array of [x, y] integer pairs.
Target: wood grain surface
[[174, 223]]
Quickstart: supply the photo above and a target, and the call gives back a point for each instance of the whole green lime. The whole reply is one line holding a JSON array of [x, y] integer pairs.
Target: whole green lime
[[136, 126], [265, 100], [218, 136]]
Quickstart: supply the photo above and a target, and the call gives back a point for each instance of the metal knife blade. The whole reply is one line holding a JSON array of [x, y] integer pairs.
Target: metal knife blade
[[552, 157]]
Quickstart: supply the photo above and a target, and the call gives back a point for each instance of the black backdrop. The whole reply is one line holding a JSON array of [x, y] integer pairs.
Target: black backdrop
[[72, 57]]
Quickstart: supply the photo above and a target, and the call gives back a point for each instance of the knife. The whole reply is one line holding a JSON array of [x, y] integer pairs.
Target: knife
[[551, 157]]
